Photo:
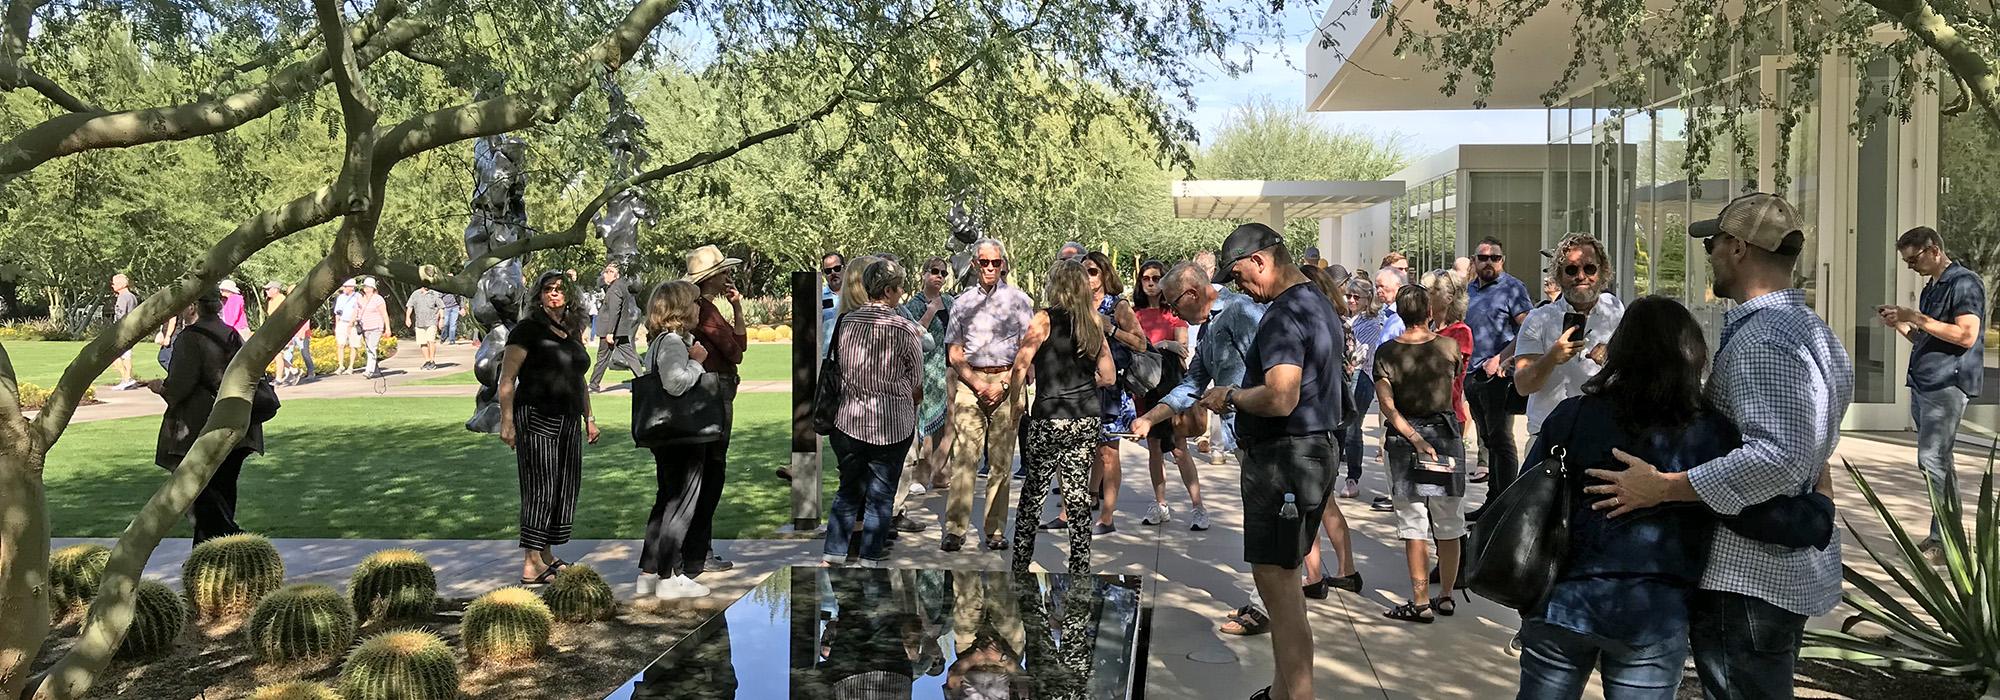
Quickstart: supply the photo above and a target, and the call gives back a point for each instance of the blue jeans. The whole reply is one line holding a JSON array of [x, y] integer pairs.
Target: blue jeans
[[451, 324], [1556, 663], [1743, 647], [1936, 414], [868, 476], [1364, 395], [304, 348]]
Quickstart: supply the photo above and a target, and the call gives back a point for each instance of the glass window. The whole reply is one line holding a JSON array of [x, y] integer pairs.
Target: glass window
[[1507, 206], [1873, 346], [1968, 209], [1643, 234]]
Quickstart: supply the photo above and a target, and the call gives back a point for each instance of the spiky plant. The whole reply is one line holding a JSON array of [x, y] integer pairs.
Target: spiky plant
[[304, 623], [74, 573], [157, 619], [1953, 628], [506, 625], [579, 594], [295, 690], [400, 665], [226, 576], [393, 584]]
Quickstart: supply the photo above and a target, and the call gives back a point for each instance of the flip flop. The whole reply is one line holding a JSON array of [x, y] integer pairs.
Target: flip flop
[[541, 580]]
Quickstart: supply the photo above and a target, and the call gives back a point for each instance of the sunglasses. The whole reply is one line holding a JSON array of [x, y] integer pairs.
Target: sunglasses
[[835, 270], [1708, 245], [1093, 272], [939, 271], [1489, 258], [991, 262], [1149, 278], [1587, 270]]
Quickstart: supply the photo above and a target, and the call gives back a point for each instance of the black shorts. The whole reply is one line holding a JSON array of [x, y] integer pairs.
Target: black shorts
[[1303, 466]]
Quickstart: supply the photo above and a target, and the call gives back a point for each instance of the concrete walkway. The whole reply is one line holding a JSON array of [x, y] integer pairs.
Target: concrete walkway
[[1197, 577]]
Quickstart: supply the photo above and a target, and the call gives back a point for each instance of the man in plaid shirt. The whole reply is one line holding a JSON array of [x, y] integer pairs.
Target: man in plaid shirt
[[1782, 375]]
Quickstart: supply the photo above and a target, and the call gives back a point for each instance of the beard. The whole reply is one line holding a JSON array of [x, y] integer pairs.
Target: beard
[[1580, 297]]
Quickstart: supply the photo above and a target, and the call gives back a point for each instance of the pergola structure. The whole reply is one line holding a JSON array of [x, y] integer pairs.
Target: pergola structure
[[1273, 202]]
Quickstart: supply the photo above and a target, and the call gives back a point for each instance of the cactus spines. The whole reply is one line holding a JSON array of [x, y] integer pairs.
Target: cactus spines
[[579, 594], [400, 665], [295, 690], [74, 573], [226, 576], [157, 619], [304, 623], [393, 584], [505, 625]]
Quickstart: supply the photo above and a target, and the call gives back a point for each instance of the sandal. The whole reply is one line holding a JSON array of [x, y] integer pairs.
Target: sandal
[[1247, 621], [996, 543], [1264, 694], [1411, 612], [1445, 606], [542, 579], [1480, 477]]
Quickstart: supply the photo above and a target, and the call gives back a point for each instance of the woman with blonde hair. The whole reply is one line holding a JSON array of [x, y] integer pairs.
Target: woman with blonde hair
[[1071, 359], [673, 359]]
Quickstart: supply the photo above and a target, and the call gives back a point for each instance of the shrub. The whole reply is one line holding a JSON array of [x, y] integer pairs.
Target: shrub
[[34, 397], [74, 573], [402, 665], [326, 356], [157, 619], [295, 690], [579, 594], [304, 623], [393, 584], [226, 576], [34, 329], [506, 625]]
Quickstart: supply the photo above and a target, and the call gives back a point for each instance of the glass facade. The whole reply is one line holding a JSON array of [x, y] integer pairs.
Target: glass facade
[[1424, 223], [1969, 212]]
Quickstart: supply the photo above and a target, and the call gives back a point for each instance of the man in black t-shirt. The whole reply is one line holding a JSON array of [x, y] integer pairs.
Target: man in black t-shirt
[[1287, 409]]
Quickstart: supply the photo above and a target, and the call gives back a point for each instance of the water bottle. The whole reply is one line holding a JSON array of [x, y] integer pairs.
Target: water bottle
[[1289, 511]]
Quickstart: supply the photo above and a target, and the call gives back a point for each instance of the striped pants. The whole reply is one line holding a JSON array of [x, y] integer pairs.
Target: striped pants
[[548, 452]]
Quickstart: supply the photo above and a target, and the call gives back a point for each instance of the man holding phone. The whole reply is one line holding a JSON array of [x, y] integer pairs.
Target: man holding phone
[[1562, 345], [1947, 360]]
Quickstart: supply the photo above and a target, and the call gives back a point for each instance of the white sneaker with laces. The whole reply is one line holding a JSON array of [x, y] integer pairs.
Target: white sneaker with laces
[[1158, 514], [680, 587], [647, 584], [918, 490], [1199, 520]]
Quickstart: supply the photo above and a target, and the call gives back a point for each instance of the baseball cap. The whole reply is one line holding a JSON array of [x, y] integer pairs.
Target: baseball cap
[[1760, 219], [274, 284], [1241, 243]]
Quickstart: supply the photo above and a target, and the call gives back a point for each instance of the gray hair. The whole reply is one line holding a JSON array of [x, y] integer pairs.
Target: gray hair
[[1399, 276], [1361, 287], [1073, 244], [993, 243], [882, 277], [1183, 276]]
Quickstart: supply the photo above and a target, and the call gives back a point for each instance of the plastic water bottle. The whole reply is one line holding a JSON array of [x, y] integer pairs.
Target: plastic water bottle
[[1289, 511]]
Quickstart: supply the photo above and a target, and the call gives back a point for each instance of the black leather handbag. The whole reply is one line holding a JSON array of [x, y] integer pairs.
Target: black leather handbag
[[660, 419], [264, 403], [1143, 373], [826, 393], [1516, 550]]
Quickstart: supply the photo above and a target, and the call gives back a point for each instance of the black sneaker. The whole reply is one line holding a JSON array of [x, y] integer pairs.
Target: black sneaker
[[1350, 582], [903, 523], [1103, 529], [1056, 524], [951, 543], [717, 563]]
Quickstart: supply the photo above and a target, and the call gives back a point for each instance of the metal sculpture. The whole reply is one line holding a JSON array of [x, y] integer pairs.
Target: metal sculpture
[[618, 226], [499, 218], [966, 229]]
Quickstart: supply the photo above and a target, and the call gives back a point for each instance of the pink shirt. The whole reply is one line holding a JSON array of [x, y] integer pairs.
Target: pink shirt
[[233, 314], [373, 312]]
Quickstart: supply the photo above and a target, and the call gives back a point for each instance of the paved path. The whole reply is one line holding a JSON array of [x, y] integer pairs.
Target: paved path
[[1196, 577]]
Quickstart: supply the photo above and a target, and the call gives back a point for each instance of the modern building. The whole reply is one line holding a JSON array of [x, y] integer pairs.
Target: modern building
[[1615, 169]]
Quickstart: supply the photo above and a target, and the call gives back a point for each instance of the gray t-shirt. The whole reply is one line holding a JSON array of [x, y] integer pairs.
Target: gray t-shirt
[[127, 301], [425, 305]]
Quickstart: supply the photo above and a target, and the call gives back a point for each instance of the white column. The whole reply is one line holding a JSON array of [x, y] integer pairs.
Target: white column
[[1274, 217], [1331, 246]]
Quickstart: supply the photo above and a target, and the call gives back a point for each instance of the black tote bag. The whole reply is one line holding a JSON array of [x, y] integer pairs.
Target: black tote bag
[[660, 419], [1516, 551]]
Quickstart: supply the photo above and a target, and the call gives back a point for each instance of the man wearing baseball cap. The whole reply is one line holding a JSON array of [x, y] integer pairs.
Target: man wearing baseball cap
[[1783, 377], [1286, 411]]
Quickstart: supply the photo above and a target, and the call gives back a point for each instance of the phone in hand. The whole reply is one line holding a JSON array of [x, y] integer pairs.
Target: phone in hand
[[1577, 321]]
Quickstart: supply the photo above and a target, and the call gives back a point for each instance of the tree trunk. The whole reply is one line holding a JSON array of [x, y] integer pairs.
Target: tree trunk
[[24, 561]]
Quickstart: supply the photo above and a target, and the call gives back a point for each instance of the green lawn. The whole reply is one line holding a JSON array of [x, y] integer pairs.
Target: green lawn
[[42, 362], [761, 362], [407, 468]]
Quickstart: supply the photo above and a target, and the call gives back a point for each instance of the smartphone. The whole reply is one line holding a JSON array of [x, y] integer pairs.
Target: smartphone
[[1577, 321]]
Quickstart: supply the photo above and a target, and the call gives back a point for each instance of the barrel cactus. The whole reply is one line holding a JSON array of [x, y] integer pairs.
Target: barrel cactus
[[400, 665], [579, 594], [505, 625], [295, 690], [393, 584], [74, 573], [226, 576], [304, 623], [157, 619]]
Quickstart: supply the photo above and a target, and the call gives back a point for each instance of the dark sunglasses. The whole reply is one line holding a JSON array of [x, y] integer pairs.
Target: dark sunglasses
[[1489, 258], [939, 271], [1149, 278], [1093, 272], [1708, 245], [1572, 270], [831, 271], [991, 262]]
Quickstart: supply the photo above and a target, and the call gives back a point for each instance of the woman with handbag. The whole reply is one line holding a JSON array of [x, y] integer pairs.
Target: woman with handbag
[[1071, 362], [545, 418], [877, 416], [202, 352], [1121, 328], [1168, 335], [1426, 459], [673, 359]]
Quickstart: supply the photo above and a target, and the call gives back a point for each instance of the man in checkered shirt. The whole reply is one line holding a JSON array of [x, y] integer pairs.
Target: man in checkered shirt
[[1782, 375]]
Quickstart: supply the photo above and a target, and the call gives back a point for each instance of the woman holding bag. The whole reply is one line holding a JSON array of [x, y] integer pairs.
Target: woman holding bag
[[674, 360], [1426, 459]]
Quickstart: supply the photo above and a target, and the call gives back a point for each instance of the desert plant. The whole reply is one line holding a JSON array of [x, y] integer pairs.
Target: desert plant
[[226, 576], [306, 623], [579, 594], [326, 351], [295, 690], [508, 624], [393, 584], [1954, 627], [401, 665], [74, 573], [33, 397], [157, 619]]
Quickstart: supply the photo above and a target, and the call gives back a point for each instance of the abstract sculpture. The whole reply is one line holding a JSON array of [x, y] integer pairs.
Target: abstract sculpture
[[499, 218], [619, 224]]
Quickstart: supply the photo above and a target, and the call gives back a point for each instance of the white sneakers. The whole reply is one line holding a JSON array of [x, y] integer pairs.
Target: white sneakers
[[1200, 519], [646, 584], [679, 587], [918, 490], [1158, 514]]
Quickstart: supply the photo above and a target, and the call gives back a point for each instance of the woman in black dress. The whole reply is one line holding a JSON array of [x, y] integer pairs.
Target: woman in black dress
[[545, 417]]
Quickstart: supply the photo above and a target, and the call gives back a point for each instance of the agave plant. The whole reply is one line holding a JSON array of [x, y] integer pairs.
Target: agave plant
[[1951, 626]]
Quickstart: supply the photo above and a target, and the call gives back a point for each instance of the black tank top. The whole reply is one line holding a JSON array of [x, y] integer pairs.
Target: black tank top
[[1065, 382]]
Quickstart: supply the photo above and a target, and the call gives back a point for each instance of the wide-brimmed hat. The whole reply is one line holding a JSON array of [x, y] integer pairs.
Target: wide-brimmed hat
[[368, 283], [706, 261], [229, 286]]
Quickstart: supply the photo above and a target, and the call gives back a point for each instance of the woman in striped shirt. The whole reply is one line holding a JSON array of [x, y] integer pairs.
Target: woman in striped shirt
[[878, 410]]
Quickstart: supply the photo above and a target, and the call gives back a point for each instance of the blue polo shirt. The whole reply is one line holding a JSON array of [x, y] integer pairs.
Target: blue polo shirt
[[1936, 364], [1490, 310]]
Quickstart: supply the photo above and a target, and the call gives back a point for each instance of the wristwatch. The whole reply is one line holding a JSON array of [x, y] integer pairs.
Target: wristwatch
[[1229, 400]]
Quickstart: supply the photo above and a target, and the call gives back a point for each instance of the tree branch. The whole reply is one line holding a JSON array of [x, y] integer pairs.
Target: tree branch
[[10, 400], [1965, 62], [14, 76]]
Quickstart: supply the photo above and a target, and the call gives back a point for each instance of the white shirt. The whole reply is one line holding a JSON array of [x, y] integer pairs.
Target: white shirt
[[1540, 331]]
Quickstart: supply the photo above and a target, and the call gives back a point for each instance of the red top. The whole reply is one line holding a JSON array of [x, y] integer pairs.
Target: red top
[[1158, 324], [723, 340], [1463, 334]]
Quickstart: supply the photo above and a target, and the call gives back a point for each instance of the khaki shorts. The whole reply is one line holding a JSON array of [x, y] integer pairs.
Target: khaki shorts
[[426, 336], [344, 335]]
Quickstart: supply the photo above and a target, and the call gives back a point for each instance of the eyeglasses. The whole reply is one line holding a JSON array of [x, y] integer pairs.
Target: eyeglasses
[[1093, 272], [991, 262], [1489, 258], [939, 271], [1176, 303], [1587, 270], [831, 271]]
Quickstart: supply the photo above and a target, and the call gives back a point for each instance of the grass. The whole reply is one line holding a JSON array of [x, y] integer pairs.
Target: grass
[[407, 468], [761, 362], [41, 362]]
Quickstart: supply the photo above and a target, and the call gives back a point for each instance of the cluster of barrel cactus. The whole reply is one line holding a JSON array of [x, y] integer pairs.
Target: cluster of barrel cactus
[[157, 619], [579, 594], [509, 624], [226, 576], [400, 665], [305, 623], [393, 584], [74, 573]]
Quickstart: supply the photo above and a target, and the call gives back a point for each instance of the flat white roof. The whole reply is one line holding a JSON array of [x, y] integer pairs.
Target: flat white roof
[[1299, 199]]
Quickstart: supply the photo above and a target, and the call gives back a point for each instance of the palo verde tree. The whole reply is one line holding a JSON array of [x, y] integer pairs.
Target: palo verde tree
[[396, 81]]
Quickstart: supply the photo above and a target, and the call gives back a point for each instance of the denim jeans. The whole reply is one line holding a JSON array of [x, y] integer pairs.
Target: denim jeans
[[1488, 398], [1936, 414], [1744, 647], [1350, 444], [868, 476], [451, 324], [1556, 663], [304, 348]]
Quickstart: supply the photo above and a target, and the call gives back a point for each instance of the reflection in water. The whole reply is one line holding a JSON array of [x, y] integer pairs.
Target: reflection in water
[[867, 634]]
